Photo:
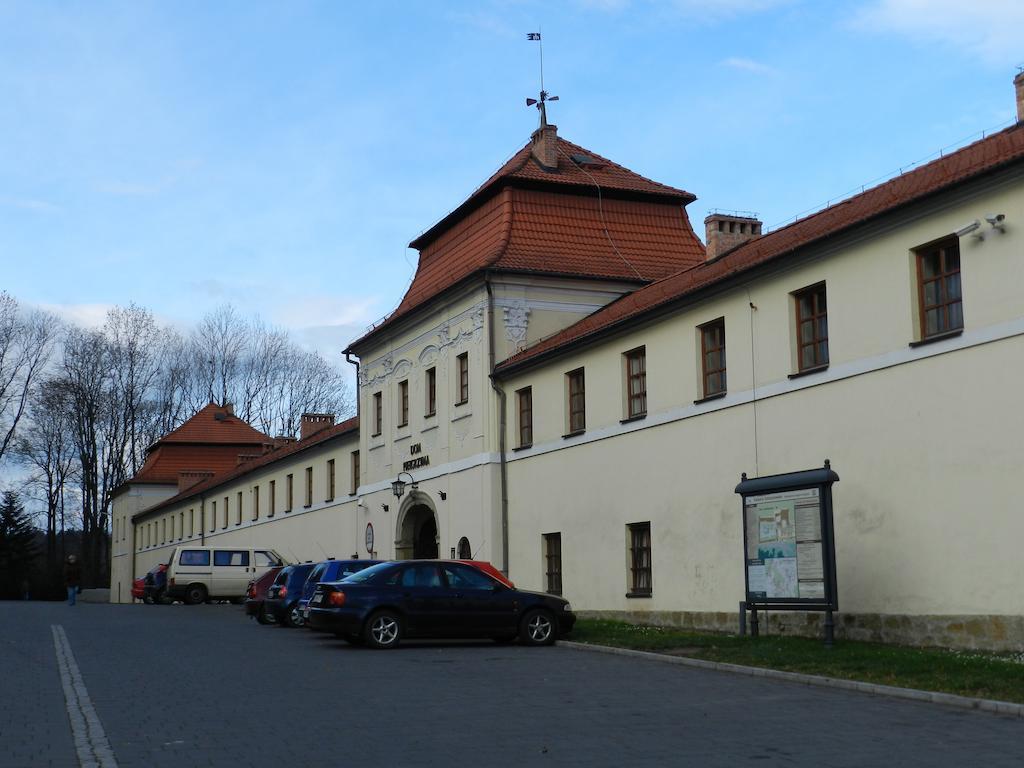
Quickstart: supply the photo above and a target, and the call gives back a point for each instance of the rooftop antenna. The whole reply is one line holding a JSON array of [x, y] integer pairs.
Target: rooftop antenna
[[544, 96]]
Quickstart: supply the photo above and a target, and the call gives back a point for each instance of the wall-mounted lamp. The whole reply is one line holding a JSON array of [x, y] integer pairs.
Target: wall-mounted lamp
[[398, 486], [443, 495], [453, 553], [971, 228], [384, 507]]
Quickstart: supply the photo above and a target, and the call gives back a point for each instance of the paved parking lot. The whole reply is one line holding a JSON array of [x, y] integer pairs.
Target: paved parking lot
[[203, 686]]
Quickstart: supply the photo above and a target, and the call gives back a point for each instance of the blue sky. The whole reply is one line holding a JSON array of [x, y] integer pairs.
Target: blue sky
[[281, 156]]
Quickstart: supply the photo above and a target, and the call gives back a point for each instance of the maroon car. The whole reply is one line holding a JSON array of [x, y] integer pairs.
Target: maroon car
[[257, 593]]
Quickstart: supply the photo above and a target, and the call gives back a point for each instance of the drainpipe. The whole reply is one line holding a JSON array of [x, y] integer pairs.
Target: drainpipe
[[350, 361], [501, 425]]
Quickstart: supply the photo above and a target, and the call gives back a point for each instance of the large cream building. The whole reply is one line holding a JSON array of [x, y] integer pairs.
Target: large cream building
[[555, 391]]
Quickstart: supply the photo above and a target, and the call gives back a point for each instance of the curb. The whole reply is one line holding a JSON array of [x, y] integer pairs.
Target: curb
[[1004, 708]]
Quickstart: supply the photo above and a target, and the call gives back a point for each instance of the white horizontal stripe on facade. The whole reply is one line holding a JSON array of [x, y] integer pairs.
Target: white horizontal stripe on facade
[[835, 372]]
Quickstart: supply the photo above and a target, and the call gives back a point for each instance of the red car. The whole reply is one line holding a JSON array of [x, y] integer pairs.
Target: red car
[[257, 593], [490, 570], [139, 588]]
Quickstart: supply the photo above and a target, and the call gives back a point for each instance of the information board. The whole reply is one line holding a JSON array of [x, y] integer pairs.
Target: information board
[[787, 539]]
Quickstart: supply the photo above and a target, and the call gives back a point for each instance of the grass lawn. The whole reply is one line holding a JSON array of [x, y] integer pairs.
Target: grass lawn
[[967, 673]]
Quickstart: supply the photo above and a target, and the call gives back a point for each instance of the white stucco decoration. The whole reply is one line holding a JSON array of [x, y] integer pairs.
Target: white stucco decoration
[[517, 318]]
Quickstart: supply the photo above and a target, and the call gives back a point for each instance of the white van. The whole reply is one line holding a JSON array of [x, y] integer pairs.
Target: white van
[[197, 574]]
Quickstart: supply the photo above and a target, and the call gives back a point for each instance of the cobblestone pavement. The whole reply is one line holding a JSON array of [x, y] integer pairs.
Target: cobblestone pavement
[[203, 686]]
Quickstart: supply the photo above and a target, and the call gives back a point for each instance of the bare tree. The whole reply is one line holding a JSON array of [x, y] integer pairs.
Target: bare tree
[[26, 343], [133, 349], [45, 446], [220, 341]]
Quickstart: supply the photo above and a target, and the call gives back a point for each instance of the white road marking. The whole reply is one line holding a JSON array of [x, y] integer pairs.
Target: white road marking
[[90, 741]]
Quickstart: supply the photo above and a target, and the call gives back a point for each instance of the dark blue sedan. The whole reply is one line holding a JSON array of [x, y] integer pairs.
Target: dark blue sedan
[[435, 598]]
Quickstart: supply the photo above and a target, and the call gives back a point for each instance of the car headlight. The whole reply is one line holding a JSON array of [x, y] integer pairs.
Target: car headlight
[[567, 607]]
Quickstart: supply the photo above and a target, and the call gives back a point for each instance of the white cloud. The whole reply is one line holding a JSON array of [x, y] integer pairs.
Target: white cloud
[[988, 30], [747, 65], [82, 315], [319, 311], [30, 204]]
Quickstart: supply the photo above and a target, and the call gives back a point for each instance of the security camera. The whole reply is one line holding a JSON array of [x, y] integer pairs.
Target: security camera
[[996, 220], [967, 229]]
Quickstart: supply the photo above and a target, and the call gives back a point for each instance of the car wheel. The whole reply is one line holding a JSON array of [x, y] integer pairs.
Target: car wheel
[[537, 628], [383, 630], [148, 600], [294, 617], [195, 594], [263, 617]]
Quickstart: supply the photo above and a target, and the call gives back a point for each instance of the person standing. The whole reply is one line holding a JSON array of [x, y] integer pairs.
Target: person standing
[[72, 578]]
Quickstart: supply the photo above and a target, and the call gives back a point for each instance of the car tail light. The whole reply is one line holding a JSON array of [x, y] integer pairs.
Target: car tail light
[[251, 592], [336, 598], [282, 592]]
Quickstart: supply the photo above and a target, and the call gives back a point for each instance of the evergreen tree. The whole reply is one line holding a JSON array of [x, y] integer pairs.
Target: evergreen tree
[[18, 545]]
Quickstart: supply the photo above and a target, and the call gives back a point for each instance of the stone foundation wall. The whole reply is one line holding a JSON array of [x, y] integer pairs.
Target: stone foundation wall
[[978, 632]]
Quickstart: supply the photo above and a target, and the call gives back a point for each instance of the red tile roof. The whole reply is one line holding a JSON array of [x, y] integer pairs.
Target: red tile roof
[[210, 440], [229, 475], [984, 156], [214, 424], [526, 219]]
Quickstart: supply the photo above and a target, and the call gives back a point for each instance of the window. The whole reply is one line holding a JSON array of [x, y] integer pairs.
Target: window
[[553, 563], [213, 516], [465, 551], [712, 357], [181, 525], [464, 577], [289, 496], [938, 283], [421, 576], [236, 557], [355, 473], [191, 522], [636, 383], [272, 498], [330, 480], [639, 559], [309, 487], [462, 366], [431, 392], [378, 419], [224, 521], [811, 328], [238, 511], [577, 402], [255, 502], [524, 398], [403, 403], [194, 557], [163, 531]]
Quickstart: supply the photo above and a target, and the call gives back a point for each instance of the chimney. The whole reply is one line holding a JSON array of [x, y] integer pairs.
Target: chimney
[[229, 409], [545, 146], [189, 478], [246, 457], [313, 423], [723, 232], [1018, 81]]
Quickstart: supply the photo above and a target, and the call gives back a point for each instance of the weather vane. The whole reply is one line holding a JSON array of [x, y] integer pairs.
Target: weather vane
[[544, 96]]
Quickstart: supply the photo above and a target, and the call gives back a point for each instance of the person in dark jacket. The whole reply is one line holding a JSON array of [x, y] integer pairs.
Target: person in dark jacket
[[72, 578]]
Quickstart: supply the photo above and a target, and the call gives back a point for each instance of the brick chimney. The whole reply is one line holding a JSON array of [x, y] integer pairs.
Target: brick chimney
[[189, 478], [243, 458], [1018, 82], [723, 232], [545, 146], [313, 423]]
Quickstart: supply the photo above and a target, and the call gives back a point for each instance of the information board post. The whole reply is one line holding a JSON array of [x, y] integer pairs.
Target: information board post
[[789, 545]]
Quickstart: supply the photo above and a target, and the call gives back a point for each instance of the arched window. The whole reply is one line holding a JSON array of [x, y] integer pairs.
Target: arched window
[[465, 552]]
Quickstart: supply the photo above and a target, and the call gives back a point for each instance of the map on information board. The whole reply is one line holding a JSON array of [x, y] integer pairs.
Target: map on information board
[[784, 545]]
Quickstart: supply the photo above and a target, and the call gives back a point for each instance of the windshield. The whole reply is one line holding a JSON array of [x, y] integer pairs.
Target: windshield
[[367, 573]]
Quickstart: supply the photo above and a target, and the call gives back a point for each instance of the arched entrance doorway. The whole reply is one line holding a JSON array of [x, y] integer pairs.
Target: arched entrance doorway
[[417, 532]]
